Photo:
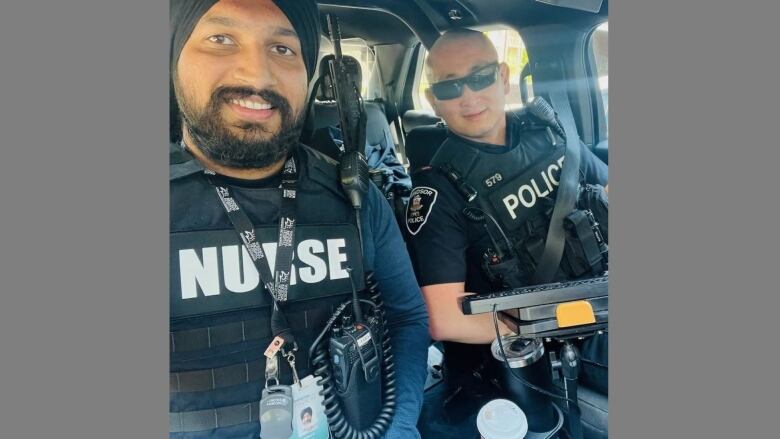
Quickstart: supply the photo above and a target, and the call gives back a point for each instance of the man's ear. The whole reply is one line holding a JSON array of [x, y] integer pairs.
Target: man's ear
[[503, 70], [431, 100]]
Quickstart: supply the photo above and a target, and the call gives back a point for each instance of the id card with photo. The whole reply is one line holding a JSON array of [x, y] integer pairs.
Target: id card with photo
[[309, 421]]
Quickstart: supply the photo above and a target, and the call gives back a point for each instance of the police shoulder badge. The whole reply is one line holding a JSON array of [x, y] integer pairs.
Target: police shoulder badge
[[421, 201]]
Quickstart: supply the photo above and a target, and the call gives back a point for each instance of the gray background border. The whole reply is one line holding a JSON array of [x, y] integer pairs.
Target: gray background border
[[83, 234], [694, 205]]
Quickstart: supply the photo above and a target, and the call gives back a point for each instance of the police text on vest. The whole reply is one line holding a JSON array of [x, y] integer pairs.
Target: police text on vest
[[528, 193]]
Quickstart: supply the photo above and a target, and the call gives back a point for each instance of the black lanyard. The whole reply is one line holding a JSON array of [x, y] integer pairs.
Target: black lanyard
[[278, 283]]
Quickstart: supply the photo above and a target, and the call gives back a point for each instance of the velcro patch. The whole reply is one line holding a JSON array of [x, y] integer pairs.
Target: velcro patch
[[421, 201]]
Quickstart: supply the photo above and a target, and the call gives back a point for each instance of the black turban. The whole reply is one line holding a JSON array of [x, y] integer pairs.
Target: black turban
[[184, 15]]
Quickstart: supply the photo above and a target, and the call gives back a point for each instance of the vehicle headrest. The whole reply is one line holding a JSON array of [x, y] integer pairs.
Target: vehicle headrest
[[422, 143], [418, 118], [325, 91]]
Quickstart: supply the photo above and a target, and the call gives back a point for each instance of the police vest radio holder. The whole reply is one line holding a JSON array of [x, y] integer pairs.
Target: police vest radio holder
[[356, 367], [353, 358], [354, 347]]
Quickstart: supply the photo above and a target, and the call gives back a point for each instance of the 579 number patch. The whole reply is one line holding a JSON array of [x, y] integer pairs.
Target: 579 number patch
[[493, 179]]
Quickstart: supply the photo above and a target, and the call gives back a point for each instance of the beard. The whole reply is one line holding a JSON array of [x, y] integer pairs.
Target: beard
[[254, 146]]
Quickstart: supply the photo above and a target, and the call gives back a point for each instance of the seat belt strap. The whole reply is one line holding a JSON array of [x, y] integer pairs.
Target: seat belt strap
[[567, 190], [396, 121]]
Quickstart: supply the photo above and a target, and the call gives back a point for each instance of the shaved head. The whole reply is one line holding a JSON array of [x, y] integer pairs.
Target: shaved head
[[449, 41], [475, 115]]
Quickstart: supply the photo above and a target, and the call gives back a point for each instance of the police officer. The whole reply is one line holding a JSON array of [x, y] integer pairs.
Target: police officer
[[447, 248], [239, 73]]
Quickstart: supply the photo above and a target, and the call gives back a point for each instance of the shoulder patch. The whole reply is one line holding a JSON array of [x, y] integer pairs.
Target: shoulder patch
[[421, 201]]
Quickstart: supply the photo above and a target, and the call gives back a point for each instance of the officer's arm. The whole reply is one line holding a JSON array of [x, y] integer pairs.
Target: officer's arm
[[406, 317], [447, 321], [593, 168]]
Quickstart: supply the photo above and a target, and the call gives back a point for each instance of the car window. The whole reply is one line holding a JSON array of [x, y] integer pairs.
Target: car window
[[601, 53], [511, 50]]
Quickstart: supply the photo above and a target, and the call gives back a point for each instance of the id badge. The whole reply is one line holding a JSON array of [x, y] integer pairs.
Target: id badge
[[309, 421], [276, 412]]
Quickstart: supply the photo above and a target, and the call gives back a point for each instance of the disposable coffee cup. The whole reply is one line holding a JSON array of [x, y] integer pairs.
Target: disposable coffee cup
[[501, 419]]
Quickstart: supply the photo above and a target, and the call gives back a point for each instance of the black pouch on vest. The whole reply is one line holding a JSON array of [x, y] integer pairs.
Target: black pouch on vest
[[529, 240], [504, 274], [593, 197], [586, 250], [582, 250]]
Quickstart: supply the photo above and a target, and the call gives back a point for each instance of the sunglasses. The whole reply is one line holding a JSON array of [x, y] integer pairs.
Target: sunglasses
[[453, 88]]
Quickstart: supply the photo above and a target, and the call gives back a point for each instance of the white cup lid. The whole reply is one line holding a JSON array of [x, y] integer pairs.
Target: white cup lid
[[502, 419]]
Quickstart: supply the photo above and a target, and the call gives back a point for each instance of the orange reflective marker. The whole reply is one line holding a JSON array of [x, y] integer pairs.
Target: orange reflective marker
[[574, 314]]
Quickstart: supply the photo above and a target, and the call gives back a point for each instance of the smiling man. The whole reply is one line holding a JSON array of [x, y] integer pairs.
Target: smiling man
[[507, 172], [264, 243], [242, 106], [479, 115]]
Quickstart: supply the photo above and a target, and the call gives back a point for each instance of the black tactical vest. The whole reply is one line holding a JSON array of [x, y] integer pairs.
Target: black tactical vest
[[220, 312], [521, 199]]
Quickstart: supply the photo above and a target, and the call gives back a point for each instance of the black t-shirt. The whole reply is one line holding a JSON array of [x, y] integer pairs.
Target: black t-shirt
[[447, 247]]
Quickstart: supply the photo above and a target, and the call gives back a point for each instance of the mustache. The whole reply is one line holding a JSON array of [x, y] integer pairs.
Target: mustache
[[226, 93], [255, 145]]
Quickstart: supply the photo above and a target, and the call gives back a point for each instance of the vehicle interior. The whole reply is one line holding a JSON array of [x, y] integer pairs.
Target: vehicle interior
[[546, 43]]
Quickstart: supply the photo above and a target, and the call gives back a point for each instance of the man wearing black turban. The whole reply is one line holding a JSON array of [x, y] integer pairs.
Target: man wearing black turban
[[250, 135], [239, 77]]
